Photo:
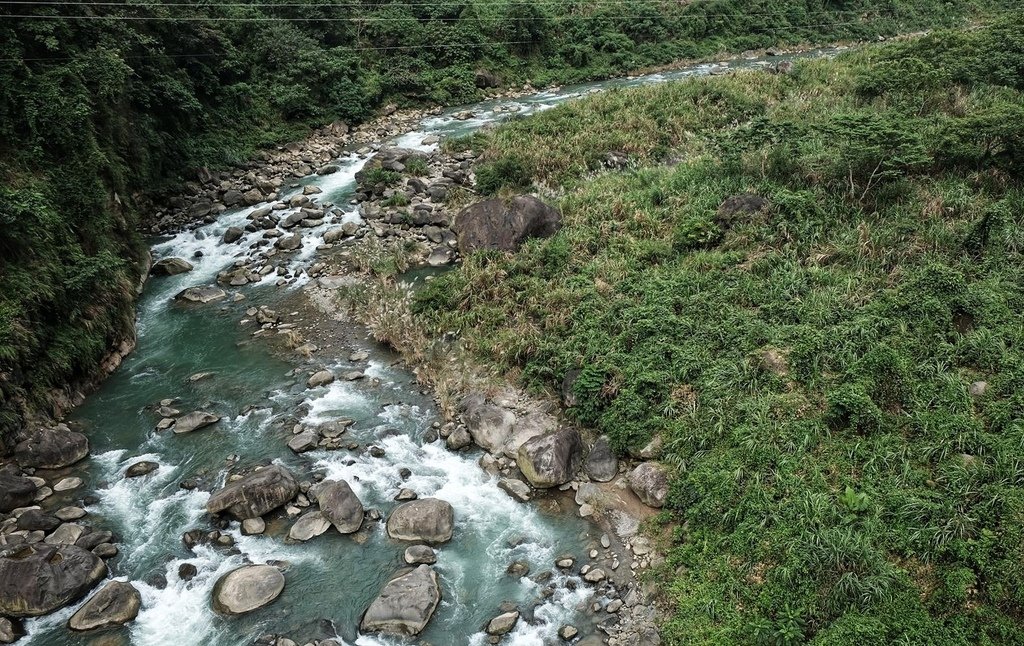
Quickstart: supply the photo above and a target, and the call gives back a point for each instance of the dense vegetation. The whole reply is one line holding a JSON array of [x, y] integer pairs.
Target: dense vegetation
[[838, 378], [101, 100]]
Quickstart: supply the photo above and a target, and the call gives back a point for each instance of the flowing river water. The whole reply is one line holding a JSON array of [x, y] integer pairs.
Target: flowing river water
[[331, 579]]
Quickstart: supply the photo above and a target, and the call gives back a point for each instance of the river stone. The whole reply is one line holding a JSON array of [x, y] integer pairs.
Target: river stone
[[550, 460], [140, 469], [420, 555], [40, 578], [505, 225], [15, 489], [247, 588], [51, 448], [67, 484], [518, 489], [194, 421], [11, 630], [115, 604], [490, 426], [255, 494], [35, 519], [427, 520], [70, 513], [66, 534], [321, 378], [304, 441], [649, 481], [503, 623], [289, 243], [233, 234], [458, 439], [252, 526], [309, 526], [201, 294], [340, 505], [170, 267], [405, 605], [187, 571], [601, 464]]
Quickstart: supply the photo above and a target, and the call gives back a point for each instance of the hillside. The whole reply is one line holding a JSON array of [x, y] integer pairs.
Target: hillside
[[809, 287], [101, 103]]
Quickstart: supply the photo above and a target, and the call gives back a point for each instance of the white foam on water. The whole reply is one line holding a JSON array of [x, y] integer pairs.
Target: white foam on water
[[335, 400]]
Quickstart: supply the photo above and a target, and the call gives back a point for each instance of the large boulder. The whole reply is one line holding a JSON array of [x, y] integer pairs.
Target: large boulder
[[490, 426], [309, 525], [247, 588], [15, 489], [427, 520], [115, 604], [40, 578], [601, 463], [194, 421], [405, 605], [340, 505], [505, 225], [551, 460], [649, 481], [256, 494], [51, 448], [170, 267], [201, 294]]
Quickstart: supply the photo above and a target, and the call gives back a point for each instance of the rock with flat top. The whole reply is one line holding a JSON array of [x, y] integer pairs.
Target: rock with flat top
[[405, 605], [256, 494], [115, 604], [247, 588], [427, 520], [194, 421]]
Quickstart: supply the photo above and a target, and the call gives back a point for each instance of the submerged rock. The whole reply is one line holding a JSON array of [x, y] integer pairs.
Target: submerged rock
[[649, 481], [247, 588], [115, 604], [427, 520], [551, 460], [505, 225], [40, 578], [255, 494], [51, 448], [405, 605], [340, 505], [194, 421], [140, 469]]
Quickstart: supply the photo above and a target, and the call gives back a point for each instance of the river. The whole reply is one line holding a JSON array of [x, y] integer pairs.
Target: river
[[333, 578]]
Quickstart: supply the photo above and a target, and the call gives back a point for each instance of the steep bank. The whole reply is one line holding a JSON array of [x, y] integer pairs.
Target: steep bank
[[98, 104], [805, 287]]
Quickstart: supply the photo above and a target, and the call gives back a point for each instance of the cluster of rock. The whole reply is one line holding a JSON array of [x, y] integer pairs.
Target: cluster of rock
[[49, 556]]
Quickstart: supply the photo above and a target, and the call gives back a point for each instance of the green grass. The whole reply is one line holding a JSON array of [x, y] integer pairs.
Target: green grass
[[807, 366]]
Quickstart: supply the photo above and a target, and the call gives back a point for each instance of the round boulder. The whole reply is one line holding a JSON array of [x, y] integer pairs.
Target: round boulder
[[340, 505], [649, 481], [427, 520], [170, 267], [551, 460], [247, 588], [15, 489], [40, 578], [51, 448], [405, 605], [501, 225], [140, 469], [194, 421], [601, 464], [115, 604]]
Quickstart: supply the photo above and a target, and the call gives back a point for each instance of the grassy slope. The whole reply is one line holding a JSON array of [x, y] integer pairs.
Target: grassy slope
[[808, 367]]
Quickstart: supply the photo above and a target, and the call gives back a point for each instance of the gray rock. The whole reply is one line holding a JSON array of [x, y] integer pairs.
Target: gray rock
[[253, 526], [255, 494], [247, 588], [115, 604], [67, 484], [11, 630], [289, 243], [518, 489], [40, 578], [140, 469], [505, 225], [202, 294], [551, 460], [170, 267], [15, 489], [405, 605], [649, 480], [304, 441], [427, 520], [51, 448], [35, 519], [490, 426], [420, 555], [194, 421], [601, 464], [459, 439], [340, 505], [503, 623], [309, 525], [321, 378], [233, 234], [67, 534]]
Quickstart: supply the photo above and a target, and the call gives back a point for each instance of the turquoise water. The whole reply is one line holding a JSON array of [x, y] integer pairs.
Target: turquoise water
[[332, 579]]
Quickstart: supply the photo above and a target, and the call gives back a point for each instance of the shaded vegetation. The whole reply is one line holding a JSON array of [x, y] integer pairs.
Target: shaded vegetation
[[837, 377]]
